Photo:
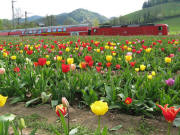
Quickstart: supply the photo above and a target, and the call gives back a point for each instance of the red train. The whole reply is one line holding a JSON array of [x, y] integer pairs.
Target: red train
[[84, 29]]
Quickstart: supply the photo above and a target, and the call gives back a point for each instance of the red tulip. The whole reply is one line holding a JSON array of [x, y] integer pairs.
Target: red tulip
[[169, 113], [108, 64], [118, 66], [162, 49], [17, 69], [29, 52], [90, 64], [65, 68], [35, 64], [98, 69], [128, 100], [89, 48], [100, 64], [41, 61], [88, 58], [132, 64], [62, 109]]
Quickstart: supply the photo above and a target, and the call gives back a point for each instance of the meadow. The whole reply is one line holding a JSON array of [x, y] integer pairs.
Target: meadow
[[131, 74]]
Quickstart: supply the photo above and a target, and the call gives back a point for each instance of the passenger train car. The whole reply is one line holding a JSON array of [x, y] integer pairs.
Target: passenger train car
[[84, 29]]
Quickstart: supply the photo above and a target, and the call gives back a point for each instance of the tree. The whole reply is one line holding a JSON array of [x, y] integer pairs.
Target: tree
[[50, 20], [96, 22], [69, 21], [1, 25]]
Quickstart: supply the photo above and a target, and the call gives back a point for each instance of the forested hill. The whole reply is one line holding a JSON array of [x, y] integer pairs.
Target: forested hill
[[77, 16], [149, 15]]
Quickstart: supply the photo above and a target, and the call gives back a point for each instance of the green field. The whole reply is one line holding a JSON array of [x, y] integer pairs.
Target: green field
[[173, 23]]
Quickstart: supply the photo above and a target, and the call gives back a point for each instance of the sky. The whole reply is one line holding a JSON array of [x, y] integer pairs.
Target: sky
[[108, 8]]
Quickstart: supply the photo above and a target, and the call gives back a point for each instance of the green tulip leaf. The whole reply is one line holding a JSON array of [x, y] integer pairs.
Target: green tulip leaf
[[7, 117], [32, 101], [177, 122], [116, 128], [73, 131], [54, 103]]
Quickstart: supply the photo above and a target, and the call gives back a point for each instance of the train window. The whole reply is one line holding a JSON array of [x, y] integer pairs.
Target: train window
[[64, 29], [39, 31], [54, 30], [59, 29], [30, 32], [44, 30], [95, 30], [160, 28], [49, 30]]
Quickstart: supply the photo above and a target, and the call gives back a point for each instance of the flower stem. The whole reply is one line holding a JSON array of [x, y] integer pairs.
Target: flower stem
[[99, 121], [169, 128], [68, 118]]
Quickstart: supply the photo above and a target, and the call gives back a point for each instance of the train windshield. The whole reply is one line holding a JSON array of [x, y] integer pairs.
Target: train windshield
[[160, 28]]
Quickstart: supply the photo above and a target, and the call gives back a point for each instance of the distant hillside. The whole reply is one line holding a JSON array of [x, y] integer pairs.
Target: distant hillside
[[155, 14], [33, 18], [76, 17]]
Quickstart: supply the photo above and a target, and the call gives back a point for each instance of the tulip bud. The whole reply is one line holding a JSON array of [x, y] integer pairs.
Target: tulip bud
[[65, 102], [22, 124]]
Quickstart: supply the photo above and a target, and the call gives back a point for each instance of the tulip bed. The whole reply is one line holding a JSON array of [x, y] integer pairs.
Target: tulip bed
[[130, 73]]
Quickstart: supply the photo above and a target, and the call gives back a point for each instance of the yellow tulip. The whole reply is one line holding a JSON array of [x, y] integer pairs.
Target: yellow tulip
[[67, 49], [59, 58], [112, 48], [149, 77], [128, 57], [21, 51], [129, 49], [31, 48], [13, 57], [108, 58], [167, 60], [176, 42], [106, 47], [113, 44], [148, 50], [153, 73], [5, 54], [125, 47], [70, 60], [47, 56], [142, 67], [48, 62], [99, 107], [2, 100], [114, 54], [137, 69], [98, 50]]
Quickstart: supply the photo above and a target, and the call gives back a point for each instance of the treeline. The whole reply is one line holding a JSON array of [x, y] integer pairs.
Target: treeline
[[151, 3], [6, 24]]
